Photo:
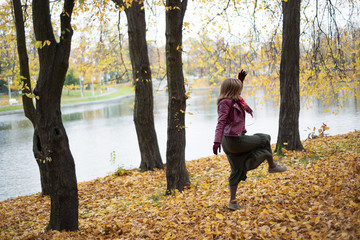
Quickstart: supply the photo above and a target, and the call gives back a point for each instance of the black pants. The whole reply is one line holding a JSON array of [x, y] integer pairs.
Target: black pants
[[245, 153]]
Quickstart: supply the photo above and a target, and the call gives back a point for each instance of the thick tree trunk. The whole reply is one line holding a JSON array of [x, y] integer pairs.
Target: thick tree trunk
[[50, 142], [143, 109], [288, 135], [176, 173], [52, 150]]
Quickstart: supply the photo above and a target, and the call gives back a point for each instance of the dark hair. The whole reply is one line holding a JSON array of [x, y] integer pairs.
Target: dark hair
[[230, 88]]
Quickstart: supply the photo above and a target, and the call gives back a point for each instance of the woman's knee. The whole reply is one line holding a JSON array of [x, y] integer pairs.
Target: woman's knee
[[264, 136], [265, 139]]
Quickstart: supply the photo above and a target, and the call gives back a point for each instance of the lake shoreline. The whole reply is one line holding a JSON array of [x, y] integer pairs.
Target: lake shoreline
[[74, 104], [92, 102]]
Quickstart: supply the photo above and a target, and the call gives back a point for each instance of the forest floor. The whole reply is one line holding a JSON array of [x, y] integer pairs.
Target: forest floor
[[317, 198]]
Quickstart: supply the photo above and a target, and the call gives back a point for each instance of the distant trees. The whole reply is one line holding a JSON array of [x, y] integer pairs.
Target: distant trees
[[330, 61], [8, 57], [211, 60], [3, 86], [217, 50], [50, 142], [71, 79]]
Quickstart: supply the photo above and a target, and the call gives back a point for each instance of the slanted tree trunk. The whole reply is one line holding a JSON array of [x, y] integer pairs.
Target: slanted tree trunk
[[288, 135], [176, 173], [50, 142], [144, 103], [28, 106]]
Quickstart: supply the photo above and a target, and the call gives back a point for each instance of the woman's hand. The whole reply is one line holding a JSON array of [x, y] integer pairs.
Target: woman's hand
[[216, 148], [242, 75]]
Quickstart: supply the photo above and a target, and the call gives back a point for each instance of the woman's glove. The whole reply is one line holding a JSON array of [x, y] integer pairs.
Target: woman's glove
[[216, 148], [242, 74]]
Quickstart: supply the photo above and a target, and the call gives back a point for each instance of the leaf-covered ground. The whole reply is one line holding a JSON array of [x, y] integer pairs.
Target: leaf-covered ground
[[317, 198]]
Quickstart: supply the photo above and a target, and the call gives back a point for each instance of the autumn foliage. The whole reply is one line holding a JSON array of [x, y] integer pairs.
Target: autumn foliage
[[317, 198]]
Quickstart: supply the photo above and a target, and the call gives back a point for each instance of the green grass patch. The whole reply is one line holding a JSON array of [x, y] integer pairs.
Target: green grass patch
[[120, 91], [11, 108], [259, 175], [304, 160], [74, 96]]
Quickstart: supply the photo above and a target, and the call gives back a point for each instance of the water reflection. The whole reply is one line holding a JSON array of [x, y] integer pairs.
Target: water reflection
[[110, 109], [15, 125], [97, 130]]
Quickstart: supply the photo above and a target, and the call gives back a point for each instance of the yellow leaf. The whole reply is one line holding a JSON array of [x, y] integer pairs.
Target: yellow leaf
[[219, 216], [38, 44], [46, 42]]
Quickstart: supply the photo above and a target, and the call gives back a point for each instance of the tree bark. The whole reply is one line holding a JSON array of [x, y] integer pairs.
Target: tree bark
[[29, 109], [144, 103], [288, 135], [50, 142], [176, 173]]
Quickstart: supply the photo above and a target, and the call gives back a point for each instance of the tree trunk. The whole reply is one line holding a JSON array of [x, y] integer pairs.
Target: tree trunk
[[50, 142], [143, 109], [29, 109], [51, 149], [28, 105], [176, 173], [288, 135]]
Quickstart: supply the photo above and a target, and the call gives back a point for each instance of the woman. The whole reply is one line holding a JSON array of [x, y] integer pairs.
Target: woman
[[243, 152]]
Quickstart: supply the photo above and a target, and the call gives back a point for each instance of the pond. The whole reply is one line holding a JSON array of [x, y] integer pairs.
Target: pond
[[99, 131]]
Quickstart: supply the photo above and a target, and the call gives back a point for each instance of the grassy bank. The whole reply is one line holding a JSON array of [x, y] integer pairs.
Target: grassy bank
[[73, 97], [317, 198]]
